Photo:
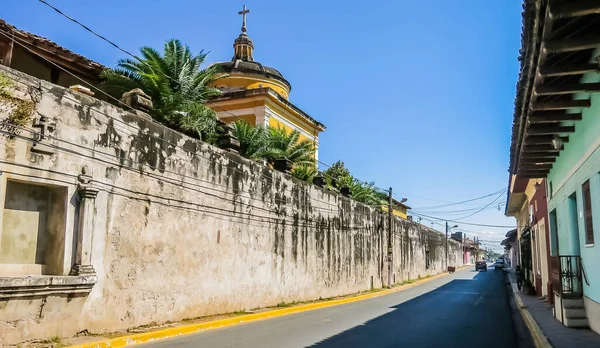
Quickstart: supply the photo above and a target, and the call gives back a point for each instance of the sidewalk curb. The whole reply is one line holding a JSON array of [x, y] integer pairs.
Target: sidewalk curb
[[539, 339], [157, 335]]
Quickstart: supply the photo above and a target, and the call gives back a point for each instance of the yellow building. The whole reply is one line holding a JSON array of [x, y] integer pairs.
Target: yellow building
[[399, 209], [259, 94]]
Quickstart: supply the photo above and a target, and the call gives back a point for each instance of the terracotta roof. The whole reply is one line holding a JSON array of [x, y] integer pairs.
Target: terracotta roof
[[49, 47]]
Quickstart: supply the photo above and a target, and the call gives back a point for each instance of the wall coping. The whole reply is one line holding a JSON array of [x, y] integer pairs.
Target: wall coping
[[32, 286]]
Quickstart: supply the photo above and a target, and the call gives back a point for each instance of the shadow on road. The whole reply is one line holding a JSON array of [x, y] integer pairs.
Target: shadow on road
[[462, 313]]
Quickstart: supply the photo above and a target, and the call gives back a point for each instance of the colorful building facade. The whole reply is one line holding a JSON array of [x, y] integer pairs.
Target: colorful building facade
[[574, 202], [399, 209], [556, 137], [259, 94]]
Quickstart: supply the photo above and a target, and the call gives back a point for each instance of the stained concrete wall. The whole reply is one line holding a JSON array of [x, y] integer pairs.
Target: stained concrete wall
[[24, 238], [183, 229]]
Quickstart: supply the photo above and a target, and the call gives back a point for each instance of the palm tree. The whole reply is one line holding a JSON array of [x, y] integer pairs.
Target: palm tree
[[284, 145], [178, 87], [252, 139]]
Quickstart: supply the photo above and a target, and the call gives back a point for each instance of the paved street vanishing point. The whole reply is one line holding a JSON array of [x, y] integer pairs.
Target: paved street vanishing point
[[466, 308]]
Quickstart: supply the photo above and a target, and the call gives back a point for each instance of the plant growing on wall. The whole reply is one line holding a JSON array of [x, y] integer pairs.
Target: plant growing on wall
[[287, 145], [336, 172], [178, 87], [21, 111], [304, 172], [338, 176], [252, 139]]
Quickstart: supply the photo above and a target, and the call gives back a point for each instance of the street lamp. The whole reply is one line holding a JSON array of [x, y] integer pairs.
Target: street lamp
[[447, 230]]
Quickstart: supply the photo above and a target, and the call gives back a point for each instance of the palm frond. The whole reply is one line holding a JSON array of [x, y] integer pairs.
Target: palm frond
[[174, 81]]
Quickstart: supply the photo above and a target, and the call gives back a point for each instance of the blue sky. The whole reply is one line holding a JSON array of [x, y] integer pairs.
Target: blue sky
[[417, 95]]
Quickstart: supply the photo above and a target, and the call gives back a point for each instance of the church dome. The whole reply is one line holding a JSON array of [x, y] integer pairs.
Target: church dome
[[240, 67], [244, 73]]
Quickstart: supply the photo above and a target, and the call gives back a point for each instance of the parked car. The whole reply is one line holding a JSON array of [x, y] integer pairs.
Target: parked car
[[499, 264], [481, 266]]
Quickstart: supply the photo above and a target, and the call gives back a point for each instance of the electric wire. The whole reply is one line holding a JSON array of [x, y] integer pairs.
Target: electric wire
[[146, 134], [137, 58], [461, 202]]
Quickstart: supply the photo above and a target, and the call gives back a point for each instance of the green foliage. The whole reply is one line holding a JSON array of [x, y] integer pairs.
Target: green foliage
[[22, 110], [270, 144], [252, 139], [258, 143], [200, 120], [338, 176], [5, 83], [304, 172], [283, 145], [337, 170], [363, 192], [178, 87]]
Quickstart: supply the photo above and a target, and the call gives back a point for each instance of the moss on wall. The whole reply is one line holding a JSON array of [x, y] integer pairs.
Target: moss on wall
[[22, 110]]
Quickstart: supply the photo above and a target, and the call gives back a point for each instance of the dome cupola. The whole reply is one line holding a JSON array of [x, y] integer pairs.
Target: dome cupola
[[245, 73]]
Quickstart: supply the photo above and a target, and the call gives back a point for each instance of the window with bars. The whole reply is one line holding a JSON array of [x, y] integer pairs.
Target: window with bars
[[587, 213]]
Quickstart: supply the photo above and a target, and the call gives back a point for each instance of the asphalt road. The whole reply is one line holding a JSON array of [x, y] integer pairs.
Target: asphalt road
[[465, 309]]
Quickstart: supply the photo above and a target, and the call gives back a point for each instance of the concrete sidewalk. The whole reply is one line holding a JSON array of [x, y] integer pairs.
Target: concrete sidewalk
[[557, 334]]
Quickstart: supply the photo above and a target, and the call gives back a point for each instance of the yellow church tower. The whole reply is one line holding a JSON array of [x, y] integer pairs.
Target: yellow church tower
[[259, 94]]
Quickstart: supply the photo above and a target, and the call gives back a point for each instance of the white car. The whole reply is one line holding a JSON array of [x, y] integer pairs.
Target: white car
[[499, 264]]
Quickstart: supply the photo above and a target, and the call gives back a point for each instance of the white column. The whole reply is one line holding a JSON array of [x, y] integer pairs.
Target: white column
[[85, 227]]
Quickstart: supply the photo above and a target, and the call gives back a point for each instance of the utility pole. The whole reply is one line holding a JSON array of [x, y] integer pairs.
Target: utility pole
[[446, 245], [390, 208], [464, 248], [447, 230]]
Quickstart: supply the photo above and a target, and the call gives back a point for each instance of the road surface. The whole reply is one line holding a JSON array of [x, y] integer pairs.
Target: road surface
[[465, 309]]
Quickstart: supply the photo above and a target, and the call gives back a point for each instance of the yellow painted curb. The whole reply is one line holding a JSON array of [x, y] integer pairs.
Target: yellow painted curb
[[151, 336], [539, 339]]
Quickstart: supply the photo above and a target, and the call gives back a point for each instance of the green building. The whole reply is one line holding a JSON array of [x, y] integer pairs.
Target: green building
[[556, 136]]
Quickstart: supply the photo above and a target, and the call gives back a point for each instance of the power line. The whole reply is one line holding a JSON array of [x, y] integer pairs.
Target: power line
[[122, 50], [460, 211], [144, 62], [224, 212], [131, 134], [463, 222], [461, 202], [480, 210], [91, 31]]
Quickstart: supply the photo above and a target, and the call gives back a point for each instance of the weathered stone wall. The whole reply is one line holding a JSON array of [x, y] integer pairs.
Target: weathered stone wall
[[183, 229]]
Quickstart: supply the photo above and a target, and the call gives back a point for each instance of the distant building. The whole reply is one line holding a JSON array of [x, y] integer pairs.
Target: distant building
[[527, 204], [399, 209], [511, 248], [259, 94], [472, 251]]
